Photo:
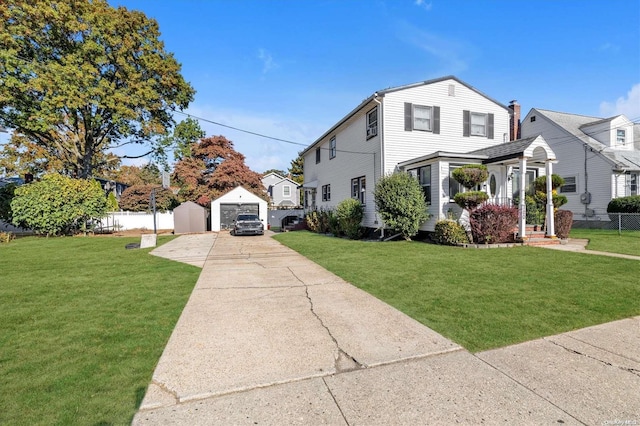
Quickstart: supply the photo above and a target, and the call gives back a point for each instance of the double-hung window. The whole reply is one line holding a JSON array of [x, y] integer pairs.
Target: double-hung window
[[326, 192], [422, 118], [372, 123], [332, 148], [621, 137], [359, 189], [570, 185], [477, 124], [286, 190], [423, 175], [318, 155]]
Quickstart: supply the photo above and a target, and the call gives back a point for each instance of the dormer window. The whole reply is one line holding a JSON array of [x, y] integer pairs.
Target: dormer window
[[621, 137]]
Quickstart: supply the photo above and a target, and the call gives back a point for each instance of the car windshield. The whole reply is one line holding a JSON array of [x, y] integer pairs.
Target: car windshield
[[248, 217]]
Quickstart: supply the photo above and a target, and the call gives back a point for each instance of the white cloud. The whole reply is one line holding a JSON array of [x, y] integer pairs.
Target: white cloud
[[629, 105], [446, 51], [268, 63], [609, 47], [423, 4]]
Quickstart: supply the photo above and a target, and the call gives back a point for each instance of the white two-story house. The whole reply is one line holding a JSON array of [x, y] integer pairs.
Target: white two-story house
[[599, 159], [427, 129]]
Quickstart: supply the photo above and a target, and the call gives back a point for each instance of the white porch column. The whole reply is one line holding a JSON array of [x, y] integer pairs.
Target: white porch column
[[551, 230], [522, 205]]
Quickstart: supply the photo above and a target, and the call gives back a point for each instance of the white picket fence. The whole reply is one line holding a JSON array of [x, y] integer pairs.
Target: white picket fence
[[124, 221]]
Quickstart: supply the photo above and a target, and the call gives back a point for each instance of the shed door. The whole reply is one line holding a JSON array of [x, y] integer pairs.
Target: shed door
[[228, 213]]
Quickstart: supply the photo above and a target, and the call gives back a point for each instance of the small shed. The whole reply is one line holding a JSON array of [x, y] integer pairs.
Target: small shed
[[224, 209], [189, 218]]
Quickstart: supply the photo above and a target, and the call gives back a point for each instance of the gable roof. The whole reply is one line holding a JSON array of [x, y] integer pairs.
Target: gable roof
[[274, 174], [574, 123], [382, 92]]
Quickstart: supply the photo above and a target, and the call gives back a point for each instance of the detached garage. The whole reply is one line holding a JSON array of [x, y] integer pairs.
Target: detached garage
[[225, 208]]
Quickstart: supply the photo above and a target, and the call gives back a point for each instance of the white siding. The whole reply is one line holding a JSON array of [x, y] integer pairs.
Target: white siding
[[355, 157], [401, 145]]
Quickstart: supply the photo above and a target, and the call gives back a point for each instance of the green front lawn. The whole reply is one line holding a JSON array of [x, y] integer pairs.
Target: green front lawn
[[83, 323], [626, 242], [483, 298]]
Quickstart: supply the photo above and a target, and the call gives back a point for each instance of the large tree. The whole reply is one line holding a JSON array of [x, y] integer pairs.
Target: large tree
[[80, 77], [21, 155], [213, 169]]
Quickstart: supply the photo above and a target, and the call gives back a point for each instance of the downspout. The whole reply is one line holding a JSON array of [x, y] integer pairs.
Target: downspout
[[381, 137], [586, 182]]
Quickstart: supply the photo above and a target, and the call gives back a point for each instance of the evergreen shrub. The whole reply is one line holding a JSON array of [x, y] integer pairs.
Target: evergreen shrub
[[449, 232]]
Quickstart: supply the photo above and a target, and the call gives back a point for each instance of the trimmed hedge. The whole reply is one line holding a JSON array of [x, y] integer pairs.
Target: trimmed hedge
[[563, 221], [630, 204], [471, 199], [493, 224], [449, 232], [470, 175]]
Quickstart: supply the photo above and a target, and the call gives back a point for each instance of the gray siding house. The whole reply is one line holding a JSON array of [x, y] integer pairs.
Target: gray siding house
[[599, 158], [282, 191]]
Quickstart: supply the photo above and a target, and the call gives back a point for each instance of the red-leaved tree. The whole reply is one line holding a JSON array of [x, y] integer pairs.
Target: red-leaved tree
[[213, 169]]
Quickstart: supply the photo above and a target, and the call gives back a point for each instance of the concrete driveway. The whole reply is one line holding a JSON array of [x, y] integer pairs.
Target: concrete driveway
[[269, 337]]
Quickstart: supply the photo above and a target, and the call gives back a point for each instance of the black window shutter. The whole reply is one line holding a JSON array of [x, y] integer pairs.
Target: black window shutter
[[436, 120], [408, 117], [466, 123], [490, 127]]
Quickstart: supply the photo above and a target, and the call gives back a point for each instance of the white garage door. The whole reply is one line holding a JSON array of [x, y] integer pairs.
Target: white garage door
[[228, 213]]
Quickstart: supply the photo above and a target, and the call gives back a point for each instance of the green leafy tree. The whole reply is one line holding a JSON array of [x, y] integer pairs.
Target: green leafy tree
[[80, 78], [296, 170], [138, 175], [58, 204], [401, 204], [276, 171], [185, 134]]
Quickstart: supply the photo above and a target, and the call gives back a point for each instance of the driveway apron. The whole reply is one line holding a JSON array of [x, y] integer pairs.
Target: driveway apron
[[269, 337]]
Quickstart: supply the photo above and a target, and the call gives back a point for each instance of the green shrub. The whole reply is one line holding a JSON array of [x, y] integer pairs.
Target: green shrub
[[493, 224], [563, 221], [630, 204], [112, 202], [319, 221], [540, 183], [400, 202], [471, 199], [535, 212], [58, 204], [5, 237], [450, 232], [470, 175], [349, 214], [6, 195]]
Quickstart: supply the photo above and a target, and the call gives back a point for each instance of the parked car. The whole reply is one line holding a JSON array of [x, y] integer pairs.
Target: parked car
[[247, 224]]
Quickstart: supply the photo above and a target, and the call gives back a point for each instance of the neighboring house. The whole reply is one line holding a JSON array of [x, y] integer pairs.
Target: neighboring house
[[282, 191], [109, 185], [599, 159], [427, 129]]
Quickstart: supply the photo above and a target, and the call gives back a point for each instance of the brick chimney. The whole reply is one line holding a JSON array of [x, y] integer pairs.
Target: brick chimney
[[514, 122]]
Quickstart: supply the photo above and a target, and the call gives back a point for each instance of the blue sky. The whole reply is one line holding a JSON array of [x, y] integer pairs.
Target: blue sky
[[291, 69]]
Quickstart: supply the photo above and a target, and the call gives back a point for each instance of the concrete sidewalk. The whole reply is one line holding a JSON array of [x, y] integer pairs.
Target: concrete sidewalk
[[579, 245], [269, 337]]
